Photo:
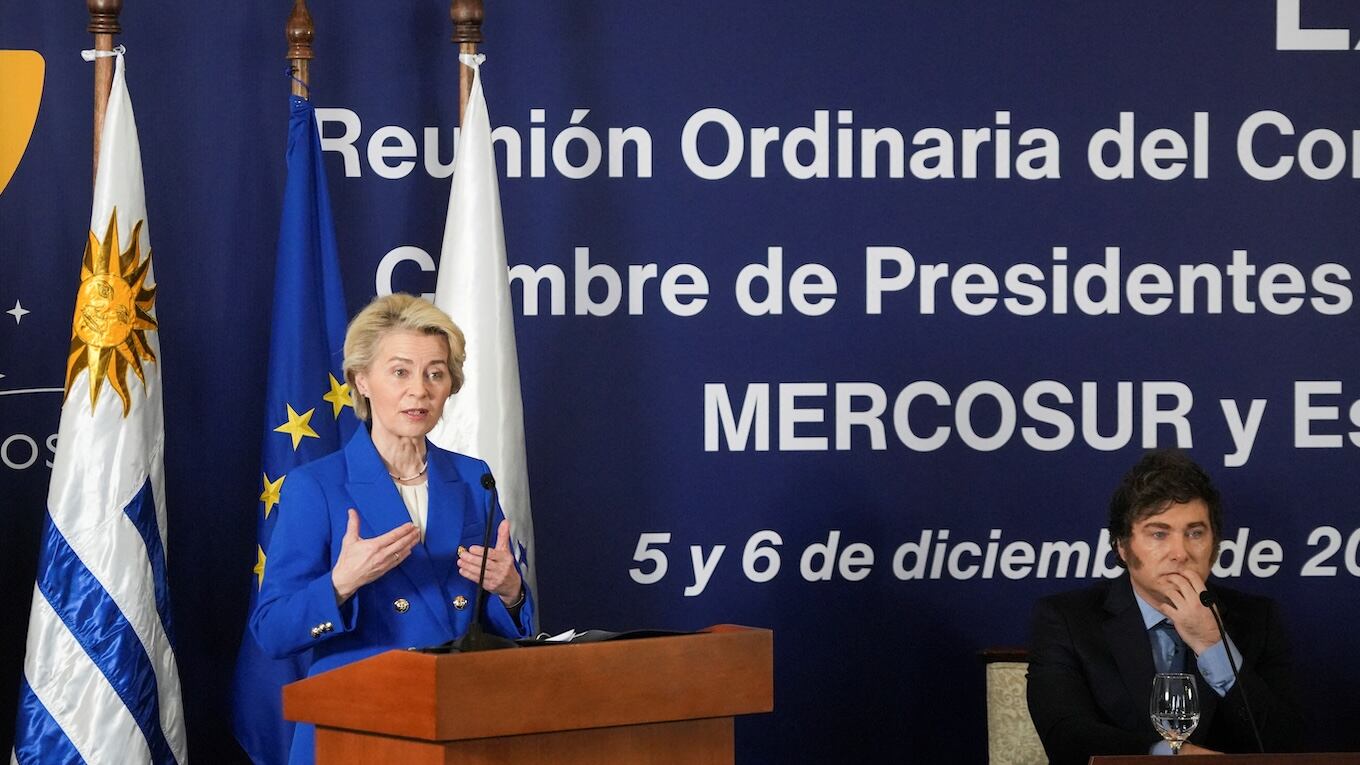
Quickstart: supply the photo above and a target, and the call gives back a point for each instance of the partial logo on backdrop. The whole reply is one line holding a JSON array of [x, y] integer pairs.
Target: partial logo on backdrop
[[22, 73], [1296, 29]]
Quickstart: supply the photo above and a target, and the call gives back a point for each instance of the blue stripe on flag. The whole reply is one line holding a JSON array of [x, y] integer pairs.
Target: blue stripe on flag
[[39, 739], [96, 622], [142, 512]]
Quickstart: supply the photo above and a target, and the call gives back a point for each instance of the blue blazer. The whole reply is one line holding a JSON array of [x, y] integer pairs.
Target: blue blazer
[[415, 604]]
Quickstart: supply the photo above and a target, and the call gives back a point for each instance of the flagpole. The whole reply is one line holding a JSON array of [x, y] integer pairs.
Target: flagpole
[[299, 32], [467, 18], [103, 25]]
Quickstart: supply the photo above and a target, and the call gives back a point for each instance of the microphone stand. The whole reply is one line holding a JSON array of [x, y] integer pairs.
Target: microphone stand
[[1210, 602], [476, 638]]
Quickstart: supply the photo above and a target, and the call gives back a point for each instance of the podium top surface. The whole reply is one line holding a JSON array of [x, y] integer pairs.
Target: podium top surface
[[720, 672]]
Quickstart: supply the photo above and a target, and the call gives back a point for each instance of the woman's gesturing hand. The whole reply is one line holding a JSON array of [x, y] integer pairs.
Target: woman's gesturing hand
[[501, 576], [364, 560]]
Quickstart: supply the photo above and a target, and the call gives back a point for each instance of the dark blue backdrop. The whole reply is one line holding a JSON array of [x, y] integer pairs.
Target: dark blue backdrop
[[870, 670]]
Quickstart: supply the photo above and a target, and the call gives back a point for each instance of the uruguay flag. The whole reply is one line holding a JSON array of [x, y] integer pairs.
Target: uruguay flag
[[100, 682], [308, 409]]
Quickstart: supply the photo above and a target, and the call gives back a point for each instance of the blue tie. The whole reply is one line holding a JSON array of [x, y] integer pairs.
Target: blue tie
[[1169, 651]]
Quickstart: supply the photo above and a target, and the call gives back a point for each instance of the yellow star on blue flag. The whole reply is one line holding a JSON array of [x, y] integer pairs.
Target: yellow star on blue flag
[[298, 426], [339, 396], [270, 495]]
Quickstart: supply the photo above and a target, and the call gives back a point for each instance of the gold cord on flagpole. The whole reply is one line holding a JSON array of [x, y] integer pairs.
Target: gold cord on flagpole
[[467, 18], [103, 25], [299, 32]]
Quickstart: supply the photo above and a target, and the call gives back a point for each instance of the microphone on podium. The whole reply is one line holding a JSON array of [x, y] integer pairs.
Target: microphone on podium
[[476, 638], [1210, 602]]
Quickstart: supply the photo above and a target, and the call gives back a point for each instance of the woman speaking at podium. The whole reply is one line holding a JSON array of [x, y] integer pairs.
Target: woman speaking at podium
[[379, 545]]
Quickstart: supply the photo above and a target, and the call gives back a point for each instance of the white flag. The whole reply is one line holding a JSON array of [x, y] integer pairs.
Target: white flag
[[486, 418], [100, 681]]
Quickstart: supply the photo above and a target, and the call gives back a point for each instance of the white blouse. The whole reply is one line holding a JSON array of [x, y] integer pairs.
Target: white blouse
[[417, 501]]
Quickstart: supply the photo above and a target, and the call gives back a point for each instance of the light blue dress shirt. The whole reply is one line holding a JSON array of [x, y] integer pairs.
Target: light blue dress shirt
[[1212, 664]]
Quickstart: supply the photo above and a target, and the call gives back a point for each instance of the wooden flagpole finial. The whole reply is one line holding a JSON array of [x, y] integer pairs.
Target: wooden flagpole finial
[[467, 18], [103, 25], [299, 32]]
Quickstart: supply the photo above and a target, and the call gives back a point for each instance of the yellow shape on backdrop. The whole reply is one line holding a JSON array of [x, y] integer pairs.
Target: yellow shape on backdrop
[[21, 71]]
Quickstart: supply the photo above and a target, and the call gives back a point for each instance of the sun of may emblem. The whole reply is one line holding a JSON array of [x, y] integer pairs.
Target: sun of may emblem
[[113, 314]]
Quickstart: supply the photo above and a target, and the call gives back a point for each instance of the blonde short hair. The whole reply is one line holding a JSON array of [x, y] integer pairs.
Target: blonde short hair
[[397, 311]]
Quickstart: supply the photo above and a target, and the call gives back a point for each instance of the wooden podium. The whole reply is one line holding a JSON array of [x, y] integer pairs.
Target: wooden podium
[[663, 700]]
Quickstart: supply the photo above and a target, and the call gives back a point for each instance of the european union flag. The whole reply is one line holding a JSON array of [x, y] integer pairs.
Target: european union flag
[[308, 410]]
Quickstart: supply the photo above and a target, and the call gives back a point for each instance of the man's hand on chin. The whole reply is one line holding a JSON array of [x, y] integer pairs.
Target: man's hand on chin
[[1192, 620]]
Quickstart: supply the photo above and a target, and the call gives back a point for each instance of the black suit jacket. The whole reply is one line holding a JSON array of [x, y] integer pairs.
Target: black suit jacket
[[1091, 670]]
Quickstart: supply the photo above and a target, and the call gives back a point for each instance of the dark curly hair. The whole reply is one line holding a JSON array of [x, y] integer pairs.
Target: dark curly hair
[[1160, 479]]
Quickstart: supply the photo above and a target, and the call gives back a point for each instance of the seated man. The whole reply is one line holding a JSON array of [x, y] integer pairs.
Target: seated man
[[1094, 652]]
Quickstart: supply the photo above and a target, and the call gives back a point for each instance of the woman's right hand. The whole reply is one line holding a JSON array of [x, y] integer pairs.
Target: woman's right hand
[[365, 560]]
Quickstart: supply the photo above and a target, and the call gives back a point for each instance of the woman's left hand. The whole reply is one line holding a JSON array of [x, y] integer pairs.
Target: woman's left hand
[[501, 576]]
